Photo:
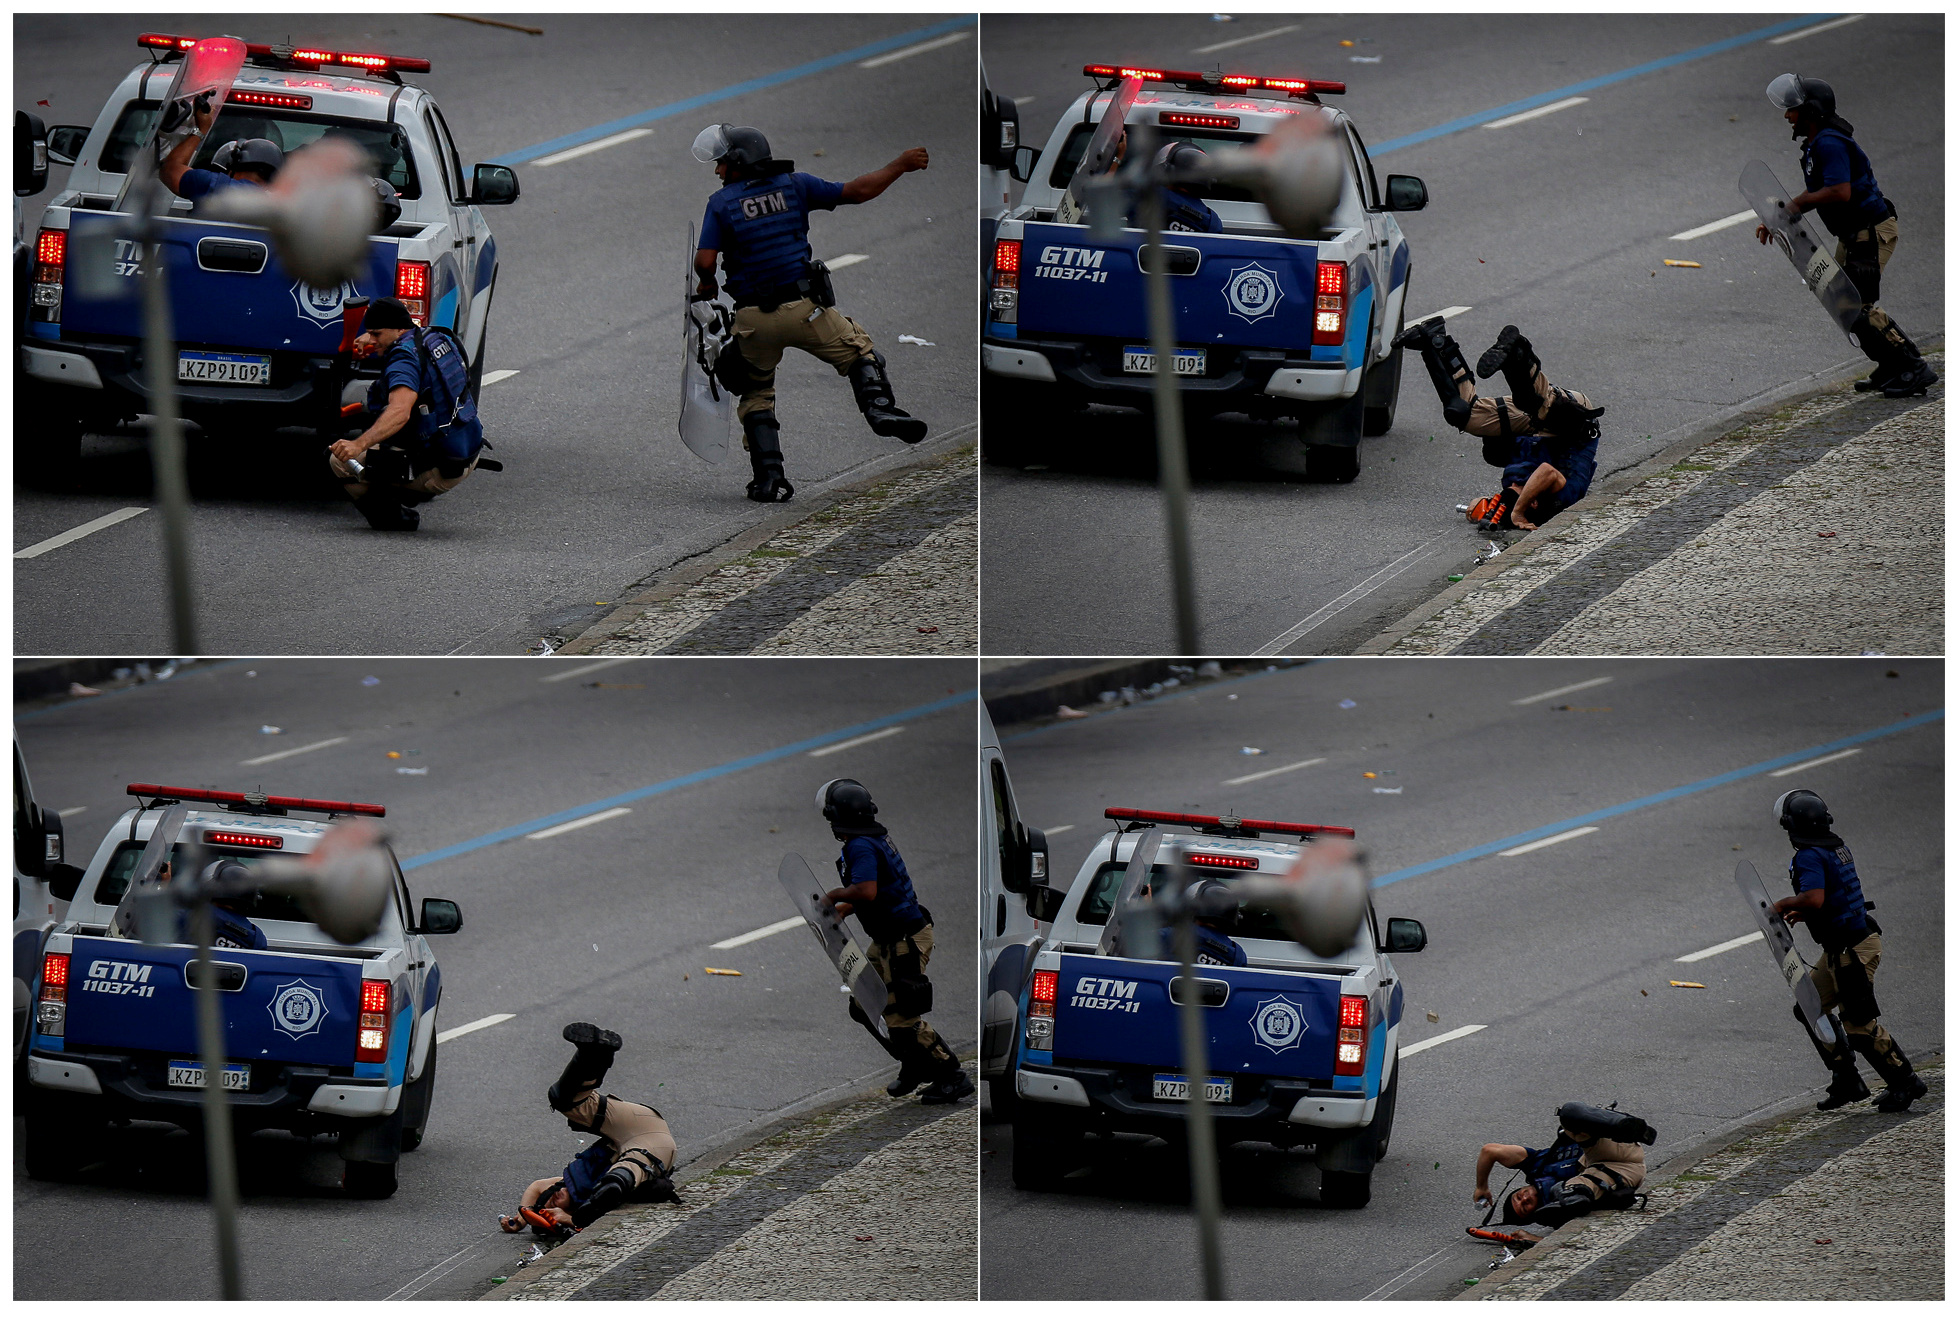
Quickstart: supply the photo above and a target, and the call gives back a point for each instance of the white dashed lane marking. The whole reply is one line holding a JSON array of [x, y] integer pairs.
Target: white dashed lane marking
[[1539, 112], [589, 147], [545, 834], [1562, 690], [496, 375], [1045, 832], [71, 813], [856, 741], [1271, 772], [1812, 31], [909, 51], [53, 542], [1441, 1038], [584, 668], [1718, 948], [1243, 41], [1542, 842], [780, 926], [288, 754], [1727, 222], [845, 261], [1804, 767], [472, 1027]]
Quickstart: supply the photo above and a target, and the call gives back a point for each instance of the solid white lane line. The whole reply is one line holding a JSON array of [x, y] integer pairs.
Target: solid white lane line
[[1729, 945], [1542, 842], [1271, 772], [585, 668], [1441, 1038], [848, 259], [1444, 314], [1540, 111], [909, 51], [1812, 31], [1045, 832], [472, 1027], [1797, 768], [1241, 41], [1386, 574], [496, 375], [560, 157], [545, 834], [1563, 690], [781, 925], [856, 741], [86, 528], [288, 754], [1726, 222], [71, 813]]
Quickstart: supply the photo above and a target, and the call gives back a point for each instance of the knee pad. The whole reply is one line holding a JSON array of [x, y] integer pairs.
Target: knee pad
[[734, 372], [610, 1192], [1591, 1122], [1455, 410]]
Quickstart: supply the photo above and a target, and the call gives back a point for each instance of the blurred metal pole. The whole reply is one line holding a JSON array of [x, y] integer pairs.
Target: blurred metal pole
[[1171, 469], [166, 429], [1197, 1107], [221, 1169]]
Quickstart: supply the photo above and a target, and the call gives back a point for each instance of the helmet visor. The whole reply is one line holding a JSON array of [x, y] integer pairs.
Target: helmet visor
[[712, 143], [1781, 801], [1786, 92], [823, 794]]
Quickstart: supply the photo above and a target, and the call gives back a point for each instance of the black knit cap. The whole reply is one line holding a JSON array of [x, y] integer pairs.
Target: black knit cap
[[388, 314]]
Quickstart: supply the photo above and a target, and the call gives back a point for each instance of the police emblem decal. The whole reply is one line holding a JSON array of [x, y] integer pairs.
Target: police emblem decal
[[1277, 1025], [1252, 292], [320, 305], [297, 1009]]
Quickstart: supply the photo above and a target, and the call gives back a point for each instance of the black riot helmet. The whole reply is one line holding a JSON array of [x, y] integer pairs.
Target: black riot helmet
[[846, 803], [1802, 811], [390, 204], [1813, 100], [739, 148], [1180, 156], [257, 154]]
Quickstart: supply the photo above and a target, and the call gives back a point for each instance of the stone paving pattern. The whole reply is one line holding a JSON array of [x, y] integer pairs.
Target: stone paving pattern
[[932, 586]]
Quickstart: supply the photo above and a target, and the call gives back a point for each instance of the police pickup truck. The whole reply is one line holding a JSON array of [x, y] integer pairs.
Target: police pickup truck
[[1266, 324], [1301, 1047], [257, 348], [320, 1037]]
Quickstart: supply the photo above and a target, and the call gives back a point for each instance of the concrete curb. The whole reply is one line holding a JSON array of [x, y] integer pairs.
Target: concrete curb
[[1679, 444], [695, 565], [1032, 703]]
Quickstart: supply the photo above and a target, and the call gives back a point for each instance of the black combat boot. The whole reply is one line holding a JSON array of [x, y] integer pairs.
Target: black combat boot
[[873, 389], [1846, 1086], [385, 510], [956, 1084], [588, 1065], [765, 459], [1446, 368], [1902, 1086]]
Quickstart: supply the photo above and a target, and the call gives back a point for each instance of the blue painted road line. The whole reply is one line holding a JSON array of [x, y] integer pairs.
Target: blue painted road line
[[1659, 798], [828, 62], [1604, 80], [675, 783]]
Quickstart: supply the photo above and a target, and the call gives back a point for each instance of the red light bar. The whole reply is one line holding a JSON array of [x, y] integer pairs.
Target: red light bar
[[275, 99], [257, 840], [1224, 861], [372, 63], [162, 41], [1291, 86], [263, 802], [1186, 119], [1213, 821]]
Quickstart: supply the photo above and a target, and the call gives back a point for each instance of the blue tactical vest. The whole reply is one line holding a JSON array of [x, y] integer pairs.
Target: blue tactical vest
[[1841, 921], [446, 426], [762, 226], [895, 913], [1866, 205], [1550, 1167], [583, 1172], [1213, 947]]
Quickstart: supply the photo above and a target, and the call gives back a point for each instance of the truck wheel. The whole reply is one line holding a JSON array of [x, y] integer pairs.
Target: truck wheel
[[1042, 1146], [1346, 1189], [1007, 410], [1335, 464], [56, 1134], [1000, 1093], [1381, 388], [368, 1179], [1382, 1127], [47, 444], [415, 1103]]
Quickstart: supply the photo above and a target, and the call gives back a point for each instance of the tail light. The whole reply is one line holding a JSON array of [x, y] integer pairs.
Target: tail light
[[373, 1041], [1005, 300], [412, 288], [51, 1012], [50, 268], [1223, 861], [1330, 305], [1040, 1009], [1350, 1058]]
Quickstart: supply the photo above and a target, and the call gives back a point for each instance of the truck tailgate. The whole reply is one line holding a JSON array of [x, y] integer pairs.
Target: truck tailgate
[[126, 996], [245, 306], [1119, 1012]]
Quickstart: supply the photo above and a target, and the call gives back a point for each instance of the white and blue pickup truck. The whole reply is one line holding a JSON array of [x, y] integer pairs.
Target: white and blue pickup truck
[[258, 348], [1267, 325], [320, 1037], [1301, 1047]]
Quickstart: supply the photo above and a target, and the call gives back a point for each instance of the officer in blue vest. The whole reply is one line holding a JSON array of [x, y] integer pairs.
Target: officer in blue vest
[[876, 888], [1184, 210], [758, 225], [1843, 192], [245, 162], [1830, 900], [425, 438], [1595, 1161], [1214, 944]]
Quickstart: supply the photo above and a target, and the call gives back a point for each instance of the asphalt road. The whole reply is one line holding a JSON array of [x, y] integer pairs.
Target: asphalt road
[[1558, 224], [1563, 954], [597, 491], [611, 922]]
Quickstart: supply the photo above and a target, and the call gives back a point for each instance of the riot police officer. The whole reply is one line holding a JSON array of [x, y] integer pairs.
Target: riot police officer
[[878, 891], [1842, 190], [1830, 900], [1544, 438], [632, 1161], [247, 162], [1184, 210], [425, 438], [758, 225], [1595, 1161]]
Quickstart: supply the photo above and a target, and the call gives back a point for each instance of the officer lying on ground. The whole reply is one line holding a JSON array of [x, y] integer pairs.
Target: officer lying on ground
[[758, 226], [631, 1163], [879, 892], [1544, 438], [1595, 1163], [249, 162]]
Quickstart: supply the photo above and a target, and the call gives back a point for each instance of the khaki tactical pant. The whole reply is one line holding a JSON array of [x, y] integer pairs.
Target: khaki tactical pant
[[1609, 1165], [1847, 979], [632, 1131], [923, 1040], [428, 483], [822, 331], [1863, 256]]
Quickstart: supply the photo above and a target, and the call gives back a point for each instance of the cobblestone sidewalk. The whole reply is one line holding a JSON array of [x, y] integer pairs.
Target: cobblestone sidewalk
[[893, 569], [1822, 1205], [877, 1200], [1819, 530]]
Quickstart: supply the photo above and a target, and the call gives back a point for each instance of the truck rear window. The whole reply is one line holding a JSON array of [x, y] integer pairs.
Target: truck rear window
[[114, 882], [1070, 158], [1251, 921], [386, 144]]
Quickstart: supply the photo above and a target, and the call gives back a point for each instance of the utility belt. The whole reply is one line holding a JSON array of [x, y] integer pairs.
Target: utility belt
[[1837, 947], [1869, 227], [814, 285]]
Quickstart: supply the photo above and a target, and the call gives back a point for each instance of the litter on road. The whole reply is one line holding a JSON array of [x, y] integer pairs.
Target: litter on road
[[1348, 704], [413, 772], [269, 730], [1063, 711], [1685, 265], [1682, 983], [915, 340], [76, 689], [733, 973], [1251, 750]]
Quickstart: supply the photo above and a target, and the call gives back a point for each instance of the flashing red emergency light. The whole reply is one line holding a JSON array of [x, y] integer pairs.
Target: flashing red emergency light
[[1350, 1055], [255, 800], [1186, 119], [1291, 86], [161, 41], [277, 100], [1214, 821], [256, 840], [309, 55], [1223, 861]]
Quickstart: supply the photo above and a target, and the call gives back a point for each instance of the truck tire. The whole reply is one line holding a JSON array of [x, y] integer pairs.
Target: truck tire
[[368, 1179], [1381, 387], [1001, 1095], [1007, 411], [50, 1139], [416, 1100], [1381, 1129], [1332, 433], [1042, 1146], [1346, 1190], [47, 442]]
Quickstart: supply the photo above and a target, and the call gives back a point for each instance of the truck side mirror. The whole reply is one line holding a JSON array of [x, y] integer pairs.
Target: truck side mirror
[[1023, 165], [63, 879], [1023, 859], [493, 185], [1406, 935], [30, 154], [1406, 192], [65, 143], [440, 916], [1044, 903]]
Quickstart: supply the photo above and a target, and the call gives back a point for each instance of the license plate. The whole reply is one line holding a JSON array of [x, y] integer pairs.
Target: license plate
[[223, 368], [188, 1074], [1141, 361], [1175, 1088]]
